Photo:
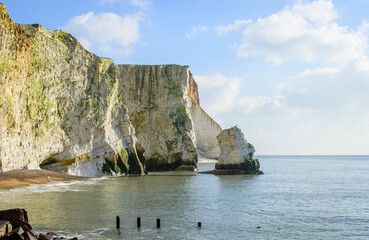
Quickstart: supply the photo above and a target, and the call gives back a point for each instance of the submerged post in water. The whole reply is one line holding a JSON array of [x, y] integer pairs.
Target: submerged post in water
[[138, 222], [158, 223], [118, 222]]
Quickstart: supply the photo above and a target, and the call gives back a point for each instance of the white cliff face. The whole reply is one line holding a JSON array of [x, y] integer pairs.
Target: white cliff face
[[205, 128], [236, 152], [61, 108], [65, 109], [234, 147], [158, 104], [206, 132]]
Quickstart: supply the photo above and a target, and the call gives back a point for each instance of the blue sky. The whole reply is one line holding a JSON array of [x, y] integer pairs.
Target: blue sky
[[293, 75]]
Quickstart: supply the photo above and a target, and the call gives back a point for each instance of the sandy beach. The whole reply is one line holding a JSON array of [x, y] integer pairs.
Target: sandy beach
[[21, 178]]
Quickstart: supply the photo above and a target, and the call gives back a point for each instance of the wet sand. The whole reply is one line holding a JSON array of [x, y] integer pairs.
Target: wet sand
[[21, 178]]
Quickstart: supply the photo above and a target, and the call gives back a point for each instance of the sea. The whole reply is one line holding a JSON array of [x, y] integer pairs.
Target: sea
[[298, 197]]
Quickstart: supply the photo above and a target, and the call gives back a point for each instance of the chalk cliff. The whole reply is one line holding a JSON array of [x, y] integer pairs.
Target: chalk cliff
[[206, 129], [63, 108], [236, 153]]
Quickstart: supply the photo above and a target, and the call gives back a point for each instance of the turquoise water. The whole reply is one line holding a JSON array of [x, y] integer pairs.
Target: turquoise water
[[299, 197]]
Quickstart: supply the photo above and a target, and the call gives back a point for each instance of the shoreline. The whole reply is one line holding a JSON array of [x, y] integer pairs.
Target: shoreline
[[24, 177]]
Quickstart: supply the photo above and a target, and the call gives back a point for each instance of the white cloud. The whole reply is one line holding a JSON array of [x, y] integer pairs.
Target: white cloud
[[362, 65], [306, 32], [364, 27], [137, 3], [320, 11], [293, 85], [111, 51], [319, 111], [220, 30], [248, 105], [323, 110], [235, 26], [196, 30], [220, 94], [333, 91], [141, 3], [105, 29]]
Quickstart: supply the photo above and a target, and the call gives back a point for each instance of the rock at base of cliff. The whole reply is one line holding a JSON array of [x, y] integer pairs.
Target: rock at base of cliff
[[236, 154], [16, 217], [14, 225], [236, 170], [5, 227], [232, 172]]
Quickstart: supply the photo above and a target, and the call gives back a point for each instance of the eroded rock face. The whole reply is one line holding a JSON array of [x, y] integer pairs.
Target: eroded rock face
[[14, 224], [158, 104], [236, 153], [206, 132], [65, 109], [60, 105], [206, 129]]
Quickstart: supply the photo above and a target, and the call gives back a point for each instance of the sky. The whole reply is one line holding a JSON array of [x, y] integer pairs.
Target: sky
[[292, 74]]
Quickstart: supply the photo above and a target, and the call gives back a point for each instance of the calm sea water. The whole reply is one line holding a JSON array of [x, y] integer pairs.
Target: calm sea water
[[299, 197]]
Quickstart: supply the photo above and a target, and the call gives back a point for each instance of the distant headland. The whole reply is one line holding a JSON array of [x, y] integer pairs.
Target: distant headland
[[67, 110]]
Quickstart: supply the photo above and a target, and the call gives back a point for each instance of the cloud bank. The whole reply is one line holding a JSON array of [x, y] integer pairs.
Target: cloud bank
[[220, 94], [305, 32], [321, 110]]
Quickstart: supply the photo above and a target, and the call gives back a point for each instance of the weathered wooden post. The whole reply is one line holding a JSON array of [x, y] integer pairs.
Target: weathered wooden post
[[199, 224], [158, 223], [118, 222], [138, 222]]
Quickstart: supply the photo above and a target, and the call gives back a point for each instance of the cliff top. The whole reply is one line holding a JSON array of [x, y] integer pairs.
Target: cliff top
[[3, 9]]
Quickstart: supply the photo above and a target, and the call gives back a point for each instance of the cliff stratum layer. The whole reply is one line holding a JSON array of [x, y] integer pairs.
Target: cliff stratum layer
[[63, 108]]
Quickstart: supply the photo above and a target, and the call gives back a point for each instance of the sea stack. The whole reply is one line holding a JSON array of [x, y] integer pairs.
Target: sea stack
[[236, 154]]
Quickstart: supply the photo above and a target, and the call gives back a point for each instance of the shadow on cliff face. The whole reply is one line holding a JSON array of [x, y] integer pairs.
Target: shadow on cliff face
[[173, 163], [140, 153], [123, 161], [114, 162]]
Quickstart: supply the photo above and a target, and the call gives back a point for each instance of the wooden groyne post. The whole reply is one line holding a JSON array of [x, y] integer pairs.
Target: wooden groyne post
[[118, 222]]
